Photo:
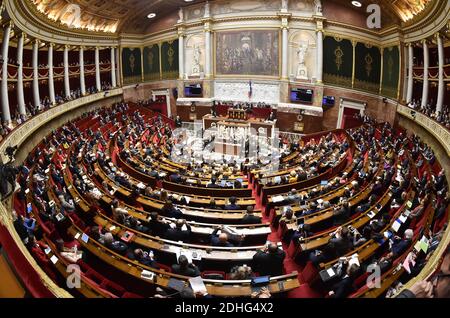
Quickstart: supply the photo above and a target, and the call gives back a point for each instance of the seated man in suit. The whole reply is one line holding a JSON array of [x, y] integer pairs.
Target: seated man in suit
[[181, 232], [185, 268], [232, 205], [175, 177], [249, 217], [344, 287], [213, 183], [116, 246], [269, 261], [220, 240], [157, 225], [400, 245]]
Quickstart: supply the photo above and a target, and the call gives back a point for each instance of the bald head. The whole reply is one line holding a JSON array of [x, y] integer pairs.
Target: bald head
[[272, 248], [223, 237]]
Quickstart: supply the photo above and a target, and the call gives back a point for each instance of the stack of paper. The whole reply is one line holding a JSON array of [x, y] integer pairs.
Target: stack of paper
[[54, 259], [277, 198], [197, 285], [396, 226], [145, 274]]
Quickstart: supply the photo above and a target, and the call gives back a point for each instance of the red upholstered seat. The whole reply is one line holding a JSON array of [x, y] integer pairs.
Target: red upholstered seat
[[131, 295], [165, 267], [96, 277], [310, 274], [360, 281], [113, 287]]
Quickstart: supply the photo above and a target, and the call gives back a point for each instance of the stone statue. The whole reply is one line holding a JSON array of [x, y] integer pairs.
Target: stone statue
[[196, 61], [284, 5], [207, 10], [302, 70], [180, 15], [318, 7]]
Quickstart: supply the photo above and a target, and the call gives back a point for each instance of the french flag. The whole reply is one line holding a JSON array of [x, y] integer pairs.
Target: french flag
[[250, 91]]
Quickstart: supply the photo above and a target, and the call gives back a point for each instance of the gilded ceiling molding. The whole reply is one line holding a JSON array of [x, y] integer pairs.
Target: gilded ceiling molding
[[30, 24]]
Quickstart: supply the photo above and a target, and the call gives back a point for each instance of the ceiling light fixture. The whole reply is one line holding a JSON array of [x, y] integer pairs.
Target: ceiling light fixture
[[357, 4], [151, 15], [188, 0]]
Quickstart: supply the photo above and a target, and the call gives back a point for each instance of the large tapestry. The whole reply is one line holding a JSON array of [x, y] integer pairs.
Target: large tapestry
[[151, 63], [337, 61], [131, 65], [391, 69], [367, 67], [248, 53], [169, 59]]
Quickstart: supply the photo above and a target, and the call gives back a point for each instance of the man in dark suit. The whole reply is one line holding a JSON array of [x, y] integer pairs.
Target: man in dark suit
[[400, 245], [156, 225], [220, 239], [212, 184], [344, 287], [185, 268], [342, 214], [179, 233], [269, 261], [175, 177], [250, 218], [232, 205]]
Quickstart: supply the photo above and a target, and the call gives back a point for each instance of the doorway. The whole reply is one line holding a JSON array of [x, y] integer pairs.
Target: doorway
[[347, 111]]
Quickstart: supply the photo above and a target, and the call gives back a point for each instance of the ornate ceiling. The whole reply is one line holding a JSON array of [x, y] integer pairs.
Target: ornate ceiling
[[130, 16]]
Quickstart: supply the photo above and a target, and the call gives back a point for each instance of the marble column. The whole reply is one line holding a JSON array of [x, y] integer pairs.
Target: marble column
[[81, 62], [113, 67], [20, 95], [319, 56], [284, 53], [51, 83], [118, 66], [409, 93], [5, 99], [441, 85], [36, 97], [66, 71], [208, 48], [97, 69], [426, 64], [181, 54]]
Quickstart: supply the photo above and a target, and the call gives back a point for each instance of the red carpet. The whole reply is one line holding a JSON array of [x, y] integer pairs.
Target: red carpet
[[304, 291]]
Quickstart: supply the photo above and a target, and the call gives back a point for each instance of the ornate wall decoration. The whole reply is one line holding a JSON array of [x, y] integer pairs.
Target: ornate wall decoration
[[369, 61], [302, 40], [76, 16], [391, 71], [248, 53], [238, 91], [131, 65], [151, 63], [337, 61], [169, 59], [338, 54], [367, 67], [231, 6]]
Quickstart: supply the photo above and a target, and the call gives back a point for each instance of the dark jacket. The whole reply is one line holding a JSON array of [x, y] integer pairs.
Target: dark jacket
[[191, 270], [266, 263], [250, 219]]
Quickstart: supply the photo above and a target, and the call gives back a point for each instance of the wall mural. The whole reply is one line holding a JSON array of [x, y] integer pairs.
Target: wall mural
[[337, 61], [169, 59], [151, 63], [248, 53], [131, 65], [391, 69], [367, 67]]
